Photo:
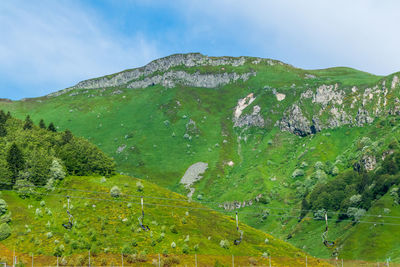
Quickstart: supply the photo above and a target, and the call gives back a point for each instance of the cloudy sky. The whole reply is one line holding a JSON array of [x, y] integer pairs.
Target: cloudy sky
[[46, 46]]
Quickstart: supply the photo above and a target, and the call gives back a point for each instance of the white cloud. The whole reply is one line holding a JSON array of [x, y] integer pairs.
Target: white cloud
[[59, 43], [313, 33]]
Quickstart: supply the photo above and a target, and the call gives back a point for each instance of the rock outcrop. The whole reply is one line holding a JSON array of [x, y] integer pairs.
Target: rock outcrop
[[295, 122]]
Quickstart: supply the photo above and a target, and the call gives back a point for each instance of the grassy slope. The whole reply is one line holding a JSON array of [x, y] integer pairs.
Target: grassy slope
[[103, 227], [137, 118]]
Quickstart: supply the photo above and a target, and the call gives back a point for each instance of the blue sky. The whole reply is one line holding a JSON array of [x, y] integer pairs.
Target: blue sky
[[49, 45]]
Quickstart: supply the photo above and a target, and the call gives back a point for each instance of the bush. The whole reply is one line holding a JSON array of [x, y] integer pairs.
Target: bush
[[115, 191], [319, 165], [297, 173], [5, 231], [24, 188], [224, 244], [57, 171], [173, 245], [173, 229], [335, 171], [139, 186], [3, 207], [185, 249]]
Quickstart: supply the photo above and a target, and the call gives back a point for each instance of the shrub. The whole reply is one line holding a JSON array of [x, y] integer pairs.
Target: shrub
[[185, 249], [173, 245], [134, 242], [3, 207], [39, 212], [297, 173], [24, 188], [5, 231], [57, 171], [115, 191], [139, 186], [303, 165], [319, 165], [355, 199], [266, 241], [173, 229], [224, 244], [335, 171], [49, 235], [319, 214], [42, 203]]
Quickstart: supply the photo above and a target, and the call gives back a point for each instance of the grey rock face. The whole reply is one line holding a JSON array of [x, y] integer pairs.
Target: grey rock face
[[295, 122], [368, 162], [363, 117], [171, 78], [254, 119], [193, 174], [143, 77]]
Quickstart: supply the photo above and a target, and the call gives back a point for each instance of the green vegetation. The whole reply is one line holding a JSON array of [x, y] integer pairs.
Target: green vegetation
[[156, 133], [31, 154], [105, 224]]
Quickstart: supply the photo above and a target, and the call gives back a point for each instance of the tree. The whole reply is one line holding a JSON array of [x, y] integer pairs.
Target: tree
[[3, 130], [67, 136], [52, 128], [42, 125], [28, 123], [3, 117], [15, 160]]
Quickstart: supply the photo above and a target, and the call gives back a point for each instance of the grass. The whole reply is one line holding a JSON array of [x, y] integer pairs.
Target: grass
[[106, 225], [151, 123]]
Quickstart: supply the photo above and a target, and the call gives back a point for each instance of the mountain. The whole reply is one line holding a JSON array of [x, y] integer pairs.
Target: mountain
[[248, 134]]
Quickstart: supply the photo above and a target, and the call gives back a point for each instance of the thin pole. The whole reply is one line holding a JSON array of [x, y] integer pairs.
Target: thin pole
[[57, 261], [306, 261], [32, 259], [159, 260], [342, 262], [233, 261], [195, 259], [14, 258], [122, 259], [387, 260], [270, 261], [89, 258]]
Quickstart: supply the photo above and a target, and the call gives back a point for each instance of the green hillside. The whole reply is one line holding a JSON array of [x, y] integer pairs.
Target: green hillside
[[106, 224], [270, 134], [43, 168]]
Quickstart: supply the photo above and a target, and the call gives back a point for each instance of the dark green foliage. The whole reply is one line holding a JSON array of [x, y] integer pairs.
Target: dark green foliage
[[67, 136], [336, 194], [28, 123], [15, 160], [30, 155], [42, 125], [3, 117], [3, 130], [81, 157], [52, 128]]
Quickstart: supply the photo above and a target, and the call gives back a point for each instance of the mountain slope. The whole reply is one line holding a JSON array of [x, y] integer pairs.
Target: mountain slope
[[262, 127], [103, 223]]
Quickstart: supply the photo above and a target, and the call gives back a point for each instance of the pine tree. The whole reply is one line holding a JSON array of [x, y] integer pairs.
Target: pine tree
[[3, 117], [67, 136], [28, 123], [3, 130], [15, 160], [42, 125], [52, 128]]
